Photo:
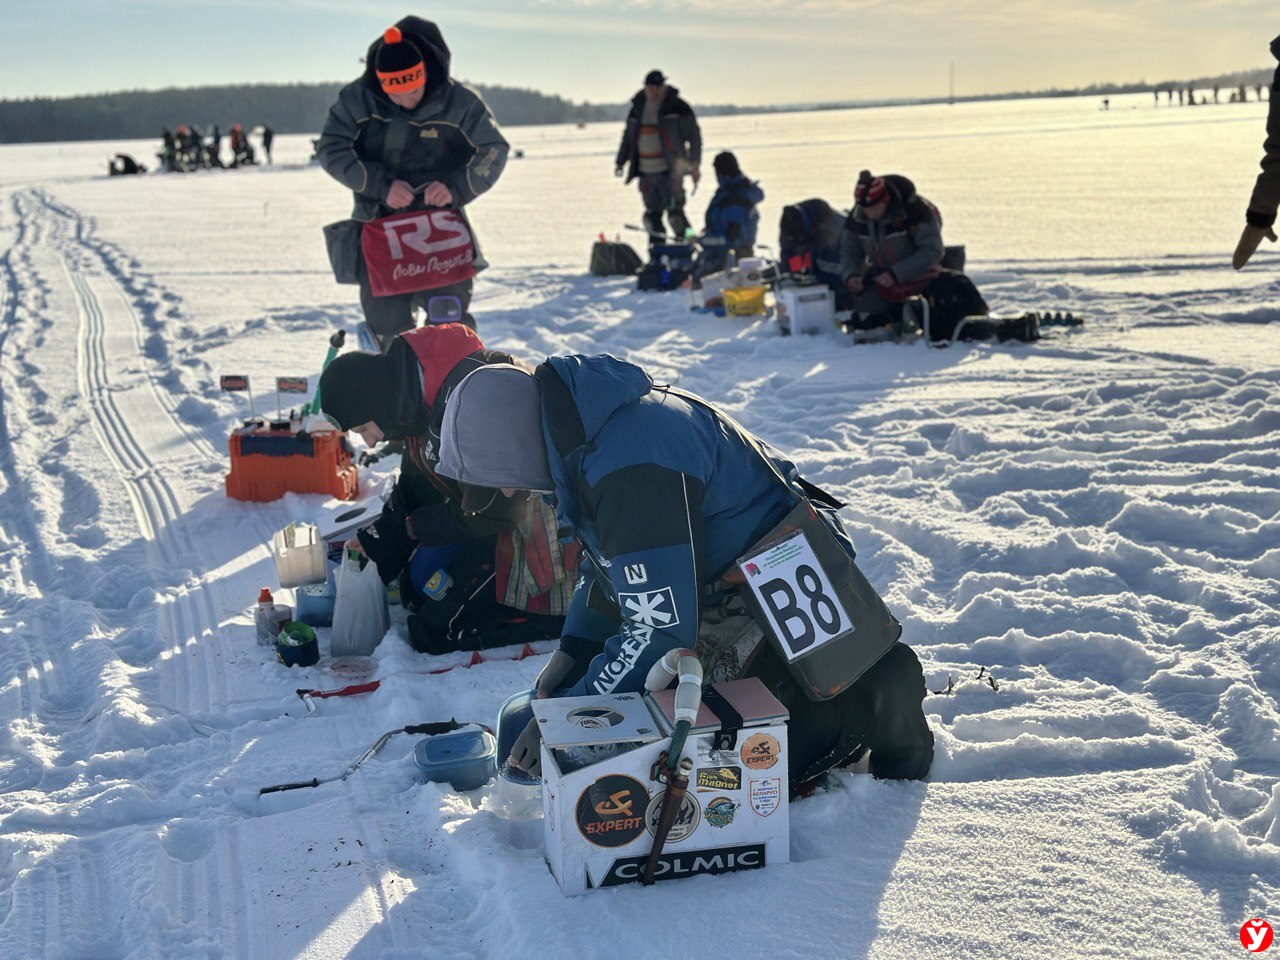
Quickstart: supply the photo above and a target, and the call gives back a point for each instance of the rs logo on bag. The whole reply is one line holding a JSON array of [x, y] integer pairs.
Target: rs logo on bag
[[424, 250]]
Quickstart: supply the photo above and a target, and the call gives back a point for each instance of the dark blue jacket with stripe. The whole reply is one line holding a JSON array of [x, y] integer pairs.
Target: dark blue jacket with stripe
[[732, 217], [663, 496]]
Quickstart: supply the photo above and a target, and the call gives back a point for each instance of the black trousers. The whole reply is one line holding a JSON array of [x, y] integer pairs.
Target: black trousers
[[389, 316], [662, 193], [881, 712], [469, 616]]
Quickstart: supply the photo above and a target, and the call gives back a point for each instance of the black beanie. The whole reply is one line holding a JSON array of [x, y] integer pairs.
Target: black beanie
[[358, 388], [397, 52], [726, 165]]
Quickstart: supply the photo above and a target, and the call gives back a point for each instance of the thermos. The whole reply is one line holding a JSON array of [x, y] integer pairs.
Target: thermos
[[261, 617]]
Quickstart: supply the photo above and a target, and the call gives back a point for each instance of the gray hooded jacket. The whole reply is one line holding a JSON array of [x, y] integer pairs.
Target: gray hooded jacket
[[907, 240]]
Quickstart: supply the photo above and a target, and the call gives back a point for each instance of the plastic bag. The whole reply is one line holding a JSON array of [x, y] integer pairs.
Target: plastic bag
[[360, 618]]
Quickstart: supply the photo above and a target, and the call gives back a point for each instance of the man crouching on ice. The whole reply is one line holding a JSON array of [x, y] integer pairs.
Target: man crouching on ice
[[665, 493]]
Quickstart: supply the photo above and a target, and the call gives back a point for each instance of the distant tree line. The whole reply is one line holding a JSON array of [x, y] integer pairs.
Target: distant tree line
[[286, 108], [302, 107]]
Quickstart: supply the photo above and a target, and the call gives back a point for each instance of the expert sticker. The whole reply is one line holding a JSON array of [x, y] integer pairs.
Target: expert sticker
[[761, 751]]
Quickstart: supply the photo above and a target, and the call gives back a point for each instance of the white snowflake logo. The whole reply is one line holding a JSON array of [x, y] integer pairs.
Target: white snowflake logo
[[653, 608]]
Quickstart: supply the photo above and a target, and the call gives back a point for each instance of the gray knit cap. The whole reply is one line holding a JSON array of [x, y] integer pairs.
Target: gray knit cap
[[491, 436]]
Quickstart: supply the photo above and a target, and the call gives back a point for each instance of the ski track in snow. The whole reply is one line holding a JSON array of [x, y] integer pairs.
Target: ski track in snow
[[1092, 521]]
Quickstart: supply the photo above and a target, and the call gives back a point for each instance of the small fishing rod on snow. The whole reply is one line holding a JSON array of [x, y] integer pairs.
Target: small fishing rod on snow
[[426, 729]]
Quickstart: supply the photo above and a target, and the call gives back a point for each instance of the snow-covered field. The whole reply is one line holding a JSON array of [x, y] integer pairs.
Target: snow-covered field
[[1094, 521]]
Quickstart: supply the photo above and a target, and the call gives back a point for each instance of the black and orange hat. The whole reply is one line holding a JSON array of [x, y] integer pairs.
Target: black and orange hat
[[399, 64]]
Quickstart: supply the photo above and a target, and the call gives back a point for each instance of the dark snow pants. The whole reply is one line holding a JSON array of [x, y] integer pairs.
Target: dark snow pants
[[389, 316], [663, 194], [881, 712], [469, 616]]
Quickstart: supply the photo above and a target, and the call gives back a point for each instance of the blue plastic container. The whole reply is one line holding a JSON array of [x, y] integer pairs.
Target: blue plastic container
[[512, 719], [313, 604], [679, 255], [464, 759]]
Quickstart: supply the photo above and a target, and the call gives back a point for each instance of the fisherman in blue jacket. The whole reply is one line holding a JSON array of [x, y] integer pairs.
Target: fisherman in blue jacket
[[665, 493], [732, 217]]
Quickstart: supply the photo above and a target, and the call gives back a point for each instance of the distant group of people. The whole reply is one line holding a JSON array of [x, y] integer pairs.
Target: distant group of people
[[660, 490], [1187, 95], [189, 148], [886, 250], [661, 145]]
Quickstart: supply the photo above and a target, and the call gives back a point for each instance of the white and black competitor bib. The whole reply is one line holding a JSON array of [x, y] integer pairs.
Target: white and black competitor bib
[[796, 596]]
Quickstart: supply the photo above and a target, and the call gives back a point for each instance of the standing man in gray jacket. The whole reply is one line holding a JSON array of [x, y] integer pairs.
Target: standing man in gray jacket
[[1260, 217], [661, 143], [406, 137]]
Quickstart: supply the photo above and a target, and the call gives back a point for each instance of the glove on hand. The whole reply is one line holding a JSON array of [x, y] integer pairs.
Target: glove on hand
[[880, 276], [617, 171], [386, 541], [526, 752], [553, 673], [1249, 241]]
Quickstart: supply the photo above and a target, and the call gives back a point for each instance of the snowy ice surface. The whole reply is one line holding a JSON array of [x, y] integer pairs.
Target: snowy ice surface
[[1094, 521]]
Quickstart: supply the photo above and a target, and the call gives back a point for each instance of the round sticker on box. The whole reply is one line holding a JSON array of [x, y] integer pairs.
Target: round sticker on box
[[761, 750], [720, 811], [610, 812], [686, 820]]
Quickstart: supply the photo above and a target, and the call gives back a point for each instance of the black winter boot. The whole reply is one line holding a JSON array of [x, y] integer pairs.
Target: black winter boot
[[901, 742], [1025, 328]]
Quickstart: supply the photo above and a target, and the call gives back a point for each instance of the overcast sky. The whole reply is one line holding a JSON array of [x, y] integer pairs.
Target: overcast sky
[[721, 51]]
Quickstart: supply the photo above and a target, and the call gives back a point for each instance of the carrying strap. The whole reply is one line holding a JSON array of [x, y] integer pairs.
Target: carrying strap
[[731, 721], [808, 491]]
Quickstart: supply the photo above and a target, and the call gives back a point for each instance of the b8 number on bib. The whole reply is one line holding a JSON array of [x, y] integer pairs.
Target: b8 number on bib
[[796, 596]]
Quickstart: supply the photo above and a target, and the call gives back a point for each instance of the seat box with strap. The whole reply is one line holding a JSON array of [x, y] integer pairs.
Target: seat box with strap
[[601, 801], [267, 463], [807, 309]]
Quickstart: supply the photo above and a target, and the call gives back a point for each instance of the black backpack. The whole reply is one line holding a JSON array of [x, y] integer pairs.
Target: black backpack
[[614, 259], [952, 297]]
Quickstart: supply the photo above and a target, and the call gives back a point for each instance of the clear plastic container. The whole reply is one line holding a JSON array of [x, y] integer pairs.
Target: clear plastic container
[[299, 555]]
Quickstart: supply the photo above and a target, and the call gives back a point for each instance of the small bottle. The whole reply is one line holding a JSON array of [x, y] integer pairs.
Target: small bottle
[[261, 615], [731, 261], [666, 271], [437, 584]]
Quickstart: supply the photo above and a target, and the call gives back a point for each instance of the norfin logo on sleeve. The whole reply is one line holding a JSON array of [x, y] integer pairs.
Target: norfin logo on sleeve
[[1256, 935], [654, 608]]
